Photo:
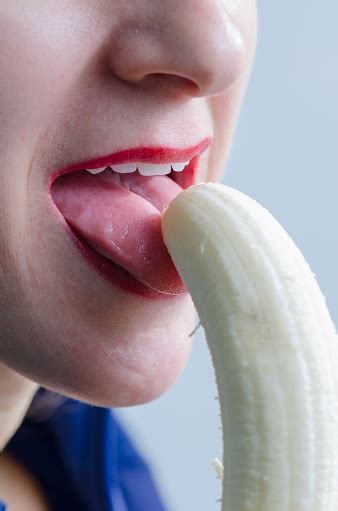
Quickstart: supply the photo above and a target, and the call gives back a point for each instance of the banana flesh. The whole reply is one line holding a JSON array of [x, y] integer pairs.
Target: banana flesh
[[273, 346]]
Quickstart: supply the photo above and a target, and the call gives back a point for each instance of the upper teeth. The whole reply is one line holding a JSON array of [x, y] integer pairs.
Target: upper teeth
[[96, 171], [146, 169]]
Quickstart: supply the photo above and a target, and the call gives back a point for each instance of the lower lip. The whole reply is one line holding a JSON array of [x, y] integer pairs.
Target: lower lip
[[111, 271]]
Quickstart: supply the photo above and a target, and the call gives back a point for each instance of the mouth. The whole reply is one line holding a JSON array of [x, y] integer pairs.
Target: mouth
[[112, 206]]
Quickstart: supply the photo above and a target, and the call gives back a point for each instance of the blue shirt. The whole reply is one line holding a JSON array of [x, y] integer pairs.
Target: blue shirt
[[82, 458]]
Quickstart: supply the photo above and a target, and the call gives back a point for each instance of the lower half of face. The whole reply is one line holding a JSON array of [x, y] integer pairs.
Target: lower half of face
[[109, 327], [91, 304]]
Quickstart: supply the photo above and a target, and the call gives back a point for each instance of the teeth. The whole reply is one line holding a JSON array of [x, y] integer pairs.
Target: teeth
[[178, 167], [145, 169], [151, 169], [96, 171], [125, 168]]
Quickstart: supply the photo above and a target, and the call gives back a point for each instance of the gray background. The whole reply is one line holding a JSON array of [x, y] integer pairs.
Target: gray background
[[285, 156]]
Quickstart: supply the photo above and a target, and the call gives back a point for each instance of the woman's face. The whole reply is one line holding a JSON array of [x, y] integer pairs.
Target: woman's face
[[82, 80]]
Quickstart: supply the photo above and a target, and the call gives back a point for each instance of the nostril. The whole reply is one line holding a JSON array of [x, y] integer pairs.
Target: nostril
[[170, 84]]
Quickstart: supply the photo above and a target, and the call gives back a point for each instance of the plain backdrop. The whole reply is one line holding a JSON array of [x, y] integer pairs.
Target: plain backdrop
[[285, 155]]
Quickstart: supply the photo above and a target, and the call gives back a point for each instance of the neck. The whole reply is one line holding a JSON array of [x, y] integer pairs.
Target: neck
[[16, 394]]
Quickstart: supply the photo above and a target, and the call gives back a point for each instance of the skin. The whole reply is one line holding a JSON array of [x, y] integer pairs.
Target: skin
[[82, 80]]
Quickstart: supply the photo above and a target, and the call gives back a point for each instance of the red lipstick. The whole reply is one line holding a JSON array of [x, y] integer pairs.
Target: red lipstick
[[141, 154]]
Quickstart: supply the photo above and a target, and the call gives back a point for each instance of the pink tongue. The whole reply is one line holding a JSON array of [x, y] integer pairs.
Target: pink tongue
[[119, 215]]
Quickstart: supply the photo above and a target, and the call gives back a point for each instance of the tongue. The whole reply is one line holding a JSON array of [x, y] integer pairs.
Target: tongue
[[119, 215]]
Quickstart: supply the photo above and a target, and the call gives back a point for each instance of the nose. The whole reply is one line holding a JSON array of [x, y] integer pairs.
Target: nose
[[192, 47]]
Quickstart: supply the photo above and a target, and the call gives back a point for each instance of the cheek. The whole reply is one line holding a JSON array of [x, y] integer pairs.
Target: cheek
[[225, 107], [24, 87], [40, 53]]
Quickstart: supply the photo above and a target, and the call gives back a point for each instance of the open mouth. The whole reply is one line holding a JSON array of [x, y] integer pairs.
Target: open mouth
[[114, 217]]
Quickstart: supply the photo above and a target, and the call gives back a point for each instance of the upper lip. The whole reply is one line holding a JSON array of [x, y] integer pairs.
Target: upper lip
[[147, 154]]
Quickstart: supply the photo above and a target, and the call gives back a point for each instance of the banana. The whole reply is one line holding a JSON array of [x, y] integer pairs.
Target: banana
[[273, 346]]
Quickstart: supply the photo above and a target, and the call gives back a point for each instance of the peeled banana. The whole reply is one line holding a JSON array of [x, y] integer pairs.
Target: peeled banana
[[273, 346]]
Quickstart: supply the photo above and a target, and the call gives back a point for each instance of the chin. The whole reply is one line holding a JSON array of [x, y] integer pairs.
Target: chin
[[127, 375], [121, 386], [107, 363]]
